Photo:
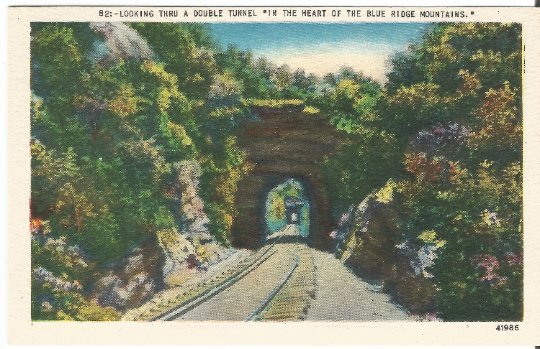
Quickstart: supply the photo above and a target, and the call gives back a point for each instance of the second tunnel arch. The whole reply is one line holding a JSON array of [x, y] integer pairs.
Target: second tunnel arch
[[284, 143]]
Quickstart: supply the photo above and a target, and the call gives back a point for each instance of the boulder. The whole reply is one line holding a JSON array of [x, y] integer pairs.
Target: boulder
[[368, 241], [108, 291], [177, 249], [190, 205], [118, 41], [132, 280], [366, 235]]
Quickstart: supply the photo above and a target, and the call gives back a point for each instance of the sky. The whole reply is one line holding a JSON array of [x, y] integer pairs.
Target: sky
[[323, 48]]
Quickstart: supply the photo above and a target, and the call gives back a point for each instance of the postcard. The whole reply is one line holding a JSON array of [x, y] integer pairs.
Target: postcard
[[273, 175]]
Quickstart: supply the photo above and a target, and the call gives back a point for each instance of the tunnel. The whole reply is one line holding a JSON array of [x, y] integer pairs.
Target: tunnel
[[287, 209], [283, 144]]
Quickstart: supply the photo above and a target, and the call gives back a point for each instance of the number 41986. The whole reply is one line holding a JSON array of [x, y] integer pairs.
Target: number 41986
[[507, 327]]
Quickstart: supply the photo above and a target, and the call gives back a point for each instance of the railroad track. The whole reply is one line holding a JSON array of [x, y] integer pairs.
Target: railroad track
[[183, 308], [291, 298], [161, 308], [287, 300]]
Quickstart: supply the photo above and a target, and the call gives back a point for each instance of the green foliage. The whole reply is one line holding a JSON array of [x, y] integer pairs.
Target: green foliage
[[105, 137], [452, 67], [253, 75], [349, 101], [187, 50], [59, 273], [221, 220], [273, 103], [364, 163], [368, 155], [60, 72], [456, 105], [477, 220], [219, 184], [447, 127]]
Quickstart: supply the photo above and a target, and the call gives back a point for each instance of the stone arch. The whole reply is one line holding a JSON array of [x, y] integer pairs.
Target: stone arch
[[281, 144]]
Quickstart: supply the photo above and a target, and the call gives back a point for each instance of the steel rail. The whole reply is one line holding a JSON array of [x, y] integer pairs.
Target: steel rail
[[183, 308], [254, 316]]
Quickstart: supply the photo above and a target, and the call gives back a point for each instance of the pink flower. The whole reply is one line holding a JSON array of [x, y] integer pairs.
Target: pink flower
[[439, 130], [513, 259], [486, 261], [489, 276], [490, 264]]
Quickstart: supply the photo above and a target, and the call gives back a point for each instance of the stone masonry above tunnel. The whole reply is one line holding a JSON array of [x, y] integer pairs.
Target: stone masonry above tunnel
[[284, 143]]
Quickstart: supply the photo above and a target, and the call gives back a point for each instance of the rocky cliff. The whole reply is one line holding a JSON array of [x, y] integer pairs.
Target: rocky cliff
[[367, 239]]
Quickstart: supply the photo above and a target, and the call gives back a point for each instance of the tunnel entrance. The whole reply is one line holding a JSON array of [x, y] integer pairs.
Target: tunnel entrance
[[282, 144], [287, 204]]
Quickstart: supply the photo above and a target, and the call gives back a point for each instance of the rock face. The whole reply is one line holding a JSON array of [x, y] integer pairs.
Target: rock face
[[118, 41], [177, 250], [132, 280], [368, 241], [191, 206], [191, 249], [366, 236], [173, 257], [186, 258]]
